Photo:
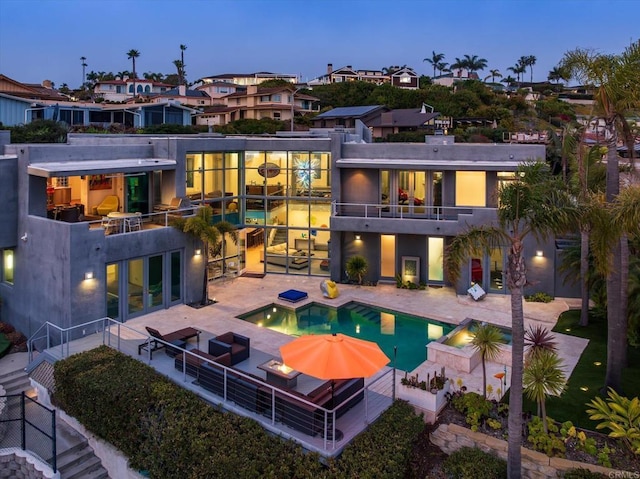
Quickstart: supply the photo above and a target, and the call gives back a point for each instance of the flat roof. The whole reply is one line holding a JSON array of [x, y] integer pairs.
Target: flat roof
[[487, 165], [99, 167]]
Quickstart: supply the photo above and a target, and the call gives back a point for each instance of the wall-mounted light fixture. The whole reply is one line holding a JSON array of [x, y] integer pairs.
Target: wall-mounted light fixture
[[511, 157], [358, 237], [539, 253], [88, 275], [197, 252], [435, 149]]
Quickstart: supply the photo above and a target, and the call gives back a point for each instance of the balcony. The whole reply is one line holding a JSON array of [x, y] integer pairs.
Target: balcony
[[381, 210]]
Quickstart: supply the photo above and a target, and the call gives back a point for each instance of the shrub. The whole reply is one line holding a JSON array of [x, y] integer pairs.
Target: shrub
[[539, 298], [166, 429], [620, 415], [384, 449], [472, 463]]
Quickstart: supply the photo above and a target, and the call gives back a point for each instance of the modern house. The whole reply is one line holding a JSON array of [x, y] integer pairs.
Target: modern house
[[347, 116], [86, 226]]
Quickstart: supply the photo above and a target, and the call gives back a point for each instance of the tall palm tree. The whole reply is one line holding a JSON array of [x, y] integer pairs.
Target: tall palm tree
[[442, 67], [474, 63], [493, 74], [558, 74], [533, 205], [225, 228], [617, 92], [180, 67], [132, 55], [543, 376], [200, 228], [518, 69], [83, 61], [529, 61], [435, 60], [486, 340], [182, 49]]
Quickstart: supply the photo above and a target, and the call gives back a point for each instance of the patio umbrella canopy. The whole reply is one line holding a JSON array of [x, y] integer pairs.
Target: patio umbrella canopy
[[333, 356]]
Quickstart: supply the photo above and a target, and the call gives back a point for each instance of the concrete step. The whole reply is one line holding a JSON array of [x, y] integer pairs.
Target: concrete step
[[15, 382], [80, 462]]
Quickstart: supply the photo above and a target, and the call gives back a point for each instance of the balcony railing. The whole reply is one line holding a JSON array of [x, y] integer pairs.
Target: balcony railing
[[120, 223], [372, 210]]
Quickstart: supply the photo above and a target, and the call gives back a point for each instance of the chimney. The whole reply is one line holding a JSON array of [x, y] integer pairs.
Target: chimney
[[47, 84], [252, 89], [329, 68], [182, 90]]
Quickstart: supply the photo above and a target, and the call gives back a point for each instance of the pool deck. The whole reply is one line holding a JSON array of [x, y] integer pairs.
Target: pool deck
[[241, 295]]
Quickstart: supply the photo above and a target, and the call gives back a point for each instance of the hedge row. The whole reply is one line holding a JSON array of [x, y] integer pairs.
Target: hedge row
[[172, 433]]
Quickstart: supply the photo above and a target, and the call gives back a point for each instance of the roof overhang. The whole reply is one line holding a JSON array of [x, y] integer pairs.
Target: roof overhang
[[99, 167], [467, 165]]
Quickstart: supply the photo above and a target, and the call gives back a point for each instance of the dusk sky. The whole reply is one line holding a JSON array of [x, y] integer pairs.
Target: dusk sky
[[44, 39]]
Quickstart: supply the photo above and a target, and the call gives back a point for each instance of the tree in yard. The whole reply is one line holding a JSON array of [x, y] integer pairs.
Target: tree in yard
[[357, 267], [529, 61], [473, 63], [132, 55], [486, 340], [182, 49], [614, 79], [83, 63], [518, 69], [435, 60], [558, 74], [200, 228], [543, 376], [493, 74], [533, 205], [180, 68], [225, 228]]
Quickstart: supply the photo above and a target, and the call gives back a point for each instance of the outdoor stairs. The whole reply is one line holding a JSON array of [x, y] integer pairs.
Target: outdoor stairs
[[364, 312], [75, 457]]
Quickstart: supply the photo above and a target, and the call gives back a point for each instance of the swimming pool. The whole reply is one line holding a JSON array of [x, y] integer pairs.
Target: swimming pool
[[385, 327]]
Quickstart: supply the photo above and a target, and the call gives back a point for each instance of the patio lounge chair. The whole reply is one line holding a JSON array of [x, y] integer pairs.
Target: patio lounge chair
[[232, 343], [177, 338]]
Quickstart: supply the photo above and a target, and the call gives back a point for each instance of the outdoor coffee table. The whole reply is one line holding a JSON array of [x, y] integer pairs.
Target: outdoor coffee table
[[279, 374]]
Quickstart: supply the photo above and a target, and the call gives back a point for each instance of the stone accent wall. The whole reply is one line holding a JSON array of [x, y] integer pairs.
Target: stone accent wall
[[535, 465], [4, 412], [16, 463]]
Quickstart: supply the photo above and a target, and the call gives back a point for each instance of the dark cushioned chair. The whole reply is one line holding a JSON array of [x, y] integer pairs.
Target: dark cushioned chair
[[234, 344], [195, 363]]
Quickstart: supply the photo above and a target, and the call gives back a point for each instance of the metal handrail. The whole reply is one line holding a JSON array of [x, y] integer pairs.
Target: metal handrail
[[382, 210]]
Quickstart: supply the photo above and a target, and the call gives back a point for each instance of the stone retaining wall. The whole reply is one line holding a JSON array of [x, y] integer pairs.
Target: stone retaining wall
[[535, 465], [16, 463], [4, 412]]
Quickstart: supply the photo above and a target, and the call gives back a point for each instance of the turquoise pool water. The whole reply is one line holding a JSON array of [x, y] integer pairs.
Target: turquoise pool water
[[385, 327]]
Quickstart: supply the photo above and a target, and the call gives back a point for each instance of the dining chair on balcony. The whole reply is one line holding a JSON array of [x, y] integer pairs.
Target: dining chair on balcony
[[110, 225], [134, 223]]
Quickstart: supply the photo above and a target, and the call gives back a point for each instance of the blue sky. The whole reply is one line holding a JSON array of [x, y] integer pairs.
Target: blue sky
[[44, 39]]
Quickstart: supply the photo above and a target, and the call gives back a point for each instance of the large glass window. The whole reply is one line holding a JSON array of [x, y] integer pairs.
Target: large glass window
[[436, 259], [7, 266], [471, 188], [113, 291], [387, 256]]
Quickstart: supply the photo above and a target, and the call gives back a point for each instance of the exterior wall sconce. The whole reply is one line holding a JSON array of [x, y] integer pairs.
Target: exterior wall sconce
[[435, 150], [88, 275], [358, 237], [539, 254], [197, 252]]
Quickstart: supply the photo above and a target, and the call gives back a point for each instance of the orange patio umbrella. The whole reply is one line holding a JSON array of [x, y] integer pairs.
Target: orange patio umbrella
[[333, 356]]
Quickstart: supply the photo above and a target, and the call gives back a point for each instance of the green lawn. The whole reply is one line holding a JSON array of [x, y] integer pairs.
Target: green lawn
[[571, 406]]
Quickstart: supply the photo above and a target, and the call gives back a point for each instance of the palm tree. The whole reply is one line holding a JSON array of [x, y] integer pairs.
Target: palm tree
[[473, 63], [180, 67], [538, 339], [509, 80], [442, 67], [199, 227], [493, 74], [529, 61], [225, 228], [533, 205], [182, 49], [518, 69], [435, 60], [614, 78], [83, 61], [357, 267], [486, 340], [558, 73], [132, 55], [542, 377]]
